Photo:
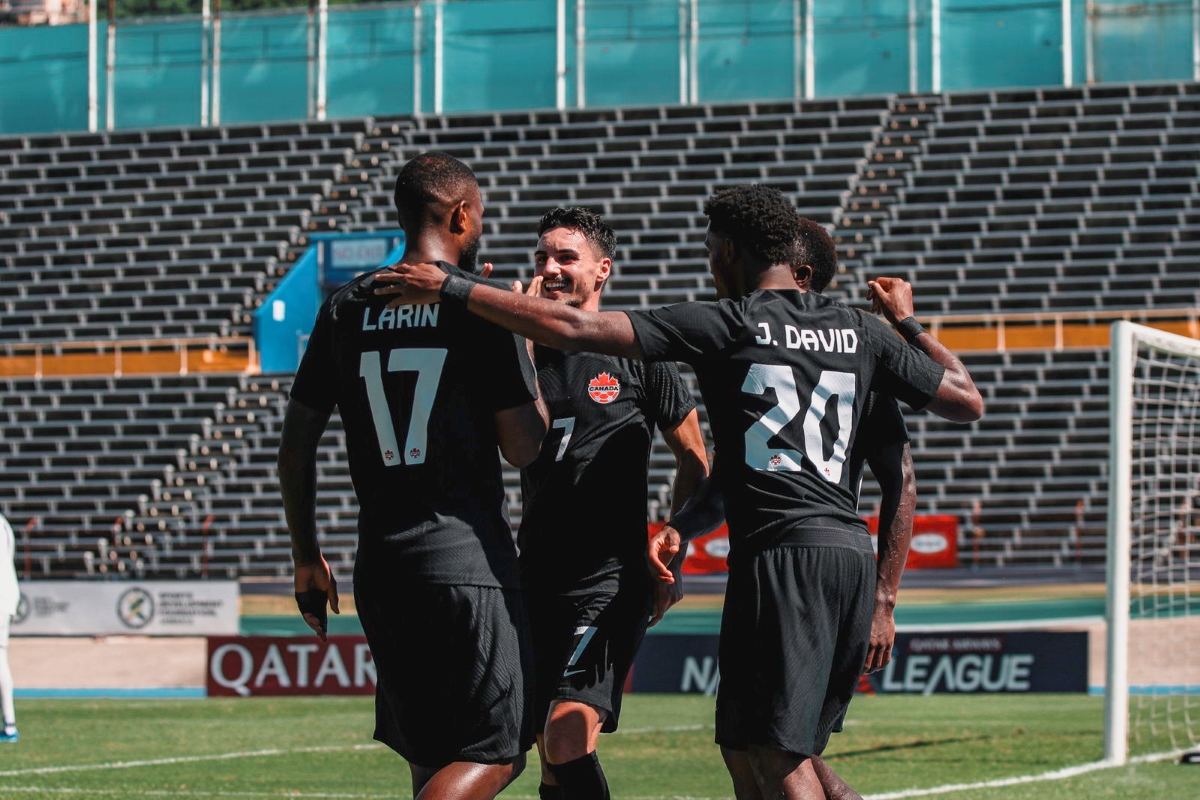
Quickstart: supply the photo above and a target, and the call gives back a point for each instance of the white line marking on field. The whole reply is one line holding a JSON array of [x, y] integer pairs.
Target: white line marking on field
[[155, 762], [185, 759], [668, 729], [1053, 775]]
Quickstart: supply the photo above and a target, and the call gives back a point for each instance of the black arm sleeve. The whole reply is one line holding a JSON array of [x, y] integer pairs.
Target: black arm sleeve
[[316, 377], [668, 400], [884, 424], [687, 332], [510, 379], [902, 370]]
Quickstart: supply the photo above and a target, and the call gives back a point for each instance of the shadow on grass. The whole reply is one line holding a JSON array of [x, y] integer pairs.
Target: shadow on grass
[[917, 745]]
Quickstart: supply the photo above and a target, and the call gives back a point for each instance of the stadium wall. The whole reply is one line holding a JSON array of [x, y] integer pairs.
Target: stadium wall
[[385, 59]]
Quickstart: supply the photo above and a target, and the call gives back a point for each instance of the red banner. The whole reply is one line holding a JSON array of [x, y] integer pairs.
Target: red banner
[[934, 546], [264, 666], [934, 541]]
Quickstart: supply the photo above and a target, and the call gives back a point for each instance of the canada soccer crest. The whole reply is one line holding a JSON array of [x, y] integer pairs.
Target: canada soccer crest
[[604, 388]]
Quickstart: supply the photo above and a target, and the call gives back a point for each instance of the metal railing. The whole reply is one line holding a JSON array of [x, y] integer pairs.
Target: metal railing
[[119, 357], [933, 49]]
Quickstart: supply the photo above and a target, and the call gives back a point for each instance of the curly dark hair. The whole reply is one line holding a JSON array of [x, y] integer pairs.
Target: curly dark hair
[[428, 179], [577, 218], [759, 219], [815, 248]]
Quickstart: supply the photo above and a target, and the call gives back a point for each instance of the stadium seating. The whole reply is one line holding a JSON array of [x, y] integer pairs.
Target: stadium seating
[[155, 234], [1040, 200], [1044, 200]]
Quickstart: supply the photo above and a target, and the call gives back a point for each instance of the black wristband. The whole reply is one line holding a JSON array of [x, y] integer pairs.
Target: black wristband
[[457, 288], [910, 329], [312, 601]]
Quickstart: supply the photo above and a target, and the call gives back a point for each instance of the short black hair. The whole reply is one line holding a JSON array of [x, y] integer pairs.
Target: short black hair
[[429, 179], [815, 247], [593, 226], [759, 219]]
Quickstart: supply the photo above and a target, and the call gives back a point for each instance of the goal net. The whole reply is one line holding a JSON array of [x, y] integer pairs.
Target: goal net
[[1152, 698]]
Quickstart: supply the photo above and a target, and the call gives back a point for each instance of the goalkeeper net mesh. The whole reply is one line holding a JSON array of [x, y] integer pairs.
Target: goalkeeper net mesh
[[1156, 449]]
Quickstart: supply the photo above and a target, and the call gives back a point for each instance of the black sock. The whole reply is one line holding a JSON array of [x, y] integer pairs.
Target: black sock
[[581, 779], [548, 792]]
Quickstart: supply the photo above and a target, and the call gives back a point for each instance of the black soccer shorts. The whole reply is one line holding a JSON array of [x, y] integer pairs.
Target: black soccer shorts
[[451, 665], [794, 637], [584, 646]]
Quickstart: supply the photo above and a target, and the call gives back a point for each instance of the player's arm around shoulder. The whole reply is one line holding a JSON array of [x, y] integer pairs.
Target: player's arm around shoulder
[[957, 398], [553, 324]]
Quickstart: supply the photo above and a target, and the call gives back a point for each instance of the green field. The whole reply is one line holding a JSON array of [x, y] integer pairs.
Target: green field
[[321, 748]]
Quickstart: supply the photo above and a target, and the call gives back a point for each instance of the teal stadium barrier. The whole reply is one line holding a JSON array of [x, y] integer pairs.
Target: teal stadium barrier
[[502, 54]]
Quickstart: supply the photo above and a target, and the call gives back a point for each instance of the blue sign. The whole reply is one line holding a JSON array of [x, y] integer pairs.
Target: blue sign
[[967, 662], [343, 257]]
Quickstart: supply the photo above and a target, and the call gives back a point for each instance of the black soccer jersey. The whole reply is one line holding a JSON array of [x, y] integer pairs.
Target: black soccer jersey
[[417, 387], [784, 376], [882, 425], [585, 495]]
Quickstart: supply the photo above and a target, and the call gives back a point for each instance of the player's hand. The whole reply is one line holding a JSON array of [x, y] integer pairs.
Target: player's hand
[[411, 284], [665, 596], [535, 289], [487, 269], [662, 548], [315, 577], [883, 638], [891, 297]]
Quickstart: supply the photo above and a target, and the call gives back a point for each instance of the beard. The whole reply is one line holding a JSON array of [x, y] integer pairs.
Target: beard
[[469, 258]]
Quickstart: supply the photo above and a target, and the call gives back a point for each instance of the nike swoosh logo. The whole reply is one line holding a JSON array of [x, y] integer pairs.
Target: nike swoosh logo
[[571, 672]]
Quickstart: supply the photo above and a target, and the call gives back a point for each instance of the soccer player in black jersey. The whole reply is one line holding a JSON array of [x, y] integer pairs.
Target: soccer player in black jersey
[[583, 527], [784, 375], [426, 393], [882, 441]]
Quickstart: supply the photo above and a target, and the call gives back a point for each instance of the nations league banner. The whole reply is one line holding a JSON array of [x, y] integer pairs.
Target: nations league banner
[[263, 666], [106, 608], [971, 663], [921, 664]]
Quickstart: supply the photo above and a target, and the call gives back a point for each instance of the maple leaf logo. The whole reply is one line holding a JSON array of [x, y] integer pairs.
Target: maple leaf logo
[[415, 453], [389, 455], [604, 388]]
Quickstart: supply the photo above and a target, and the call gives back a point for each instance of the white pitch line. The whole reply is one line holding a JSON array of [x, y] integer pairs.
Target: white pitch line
[[668, 729], [263, 753], [154, 762], [998, 783]]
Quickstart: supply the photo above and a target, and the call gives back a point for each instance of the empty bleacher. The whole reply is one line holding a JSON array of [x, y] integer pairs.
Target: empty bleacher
[[155, 234], [1051, 200], [1037, 200]]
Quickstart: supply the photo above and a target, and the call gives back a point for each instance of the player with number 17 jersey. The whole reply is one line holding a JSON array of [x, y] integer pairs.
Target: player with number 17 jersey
[[436, 580], [417, 387]]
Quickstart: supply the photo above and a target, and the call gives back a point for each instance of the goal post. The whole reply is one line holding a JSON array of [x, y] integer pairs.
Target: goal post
[[1153, 564]]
